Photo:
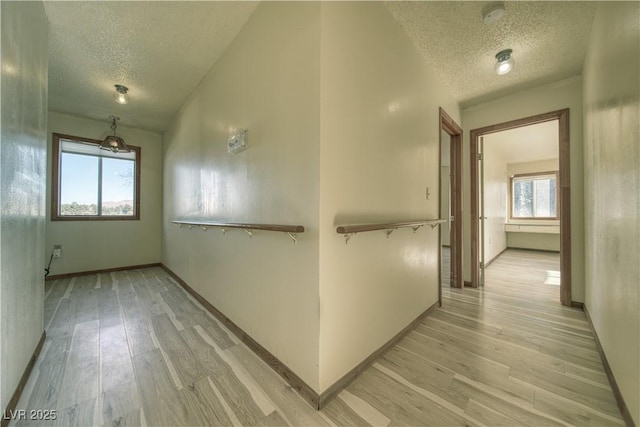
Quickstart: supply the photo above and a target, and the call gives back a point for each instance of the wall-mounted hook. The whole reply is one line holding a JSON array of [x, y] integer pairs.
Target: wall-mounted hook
[[205, 228], [347, 236], [293, 237], [249, 232], [224, 230], [190, 227]]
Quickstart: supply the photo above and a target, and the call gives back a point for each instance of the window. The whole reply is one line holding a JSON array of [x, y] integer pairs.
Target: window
[[93, 184], [534, 196]]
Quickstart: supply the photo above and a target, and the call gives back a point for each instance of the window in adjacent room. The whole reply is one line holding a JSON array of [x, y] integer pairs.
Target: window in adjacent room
[[534, 196], [93, 184]]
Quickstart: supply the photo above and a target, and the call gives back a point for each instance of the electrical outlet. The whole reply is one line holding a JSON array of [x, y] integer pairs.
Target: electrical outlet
[[57, 251]]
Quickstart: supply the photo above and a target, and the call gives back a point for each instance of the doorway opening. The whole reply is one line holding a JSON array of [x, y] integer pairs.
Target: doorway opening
[[525, 216], [450, 203]]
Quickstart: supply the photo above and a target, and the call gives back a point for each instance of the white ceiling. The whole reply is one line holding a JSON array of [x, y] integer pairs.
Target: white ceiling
[[526, 144], [549, 41], [162, 50], [159, 50]]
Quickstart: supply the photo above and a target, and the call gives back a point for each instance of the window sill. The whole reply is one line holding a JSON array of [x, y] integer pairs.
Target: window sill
[[93, 218]]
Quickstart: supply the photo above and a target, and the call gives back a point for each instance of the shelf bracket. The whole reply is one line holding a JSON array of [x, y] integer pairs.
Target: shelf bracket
[[205, 228], [249, 232], [433, 226], [293, 237], [223, 230], [190, 226], [416, 228], [389, 231], [347, 236]]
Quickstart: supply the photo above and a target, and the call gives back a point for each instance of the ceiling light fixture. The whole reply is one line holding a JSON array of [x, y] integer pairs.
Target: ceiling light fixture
[[114, 143], [121, 96], [493, 13], [504, 62]]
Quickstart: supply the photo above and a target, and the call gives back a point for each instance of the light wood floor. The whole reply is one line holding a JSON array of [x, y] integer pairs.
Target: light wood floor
[[131, 348]]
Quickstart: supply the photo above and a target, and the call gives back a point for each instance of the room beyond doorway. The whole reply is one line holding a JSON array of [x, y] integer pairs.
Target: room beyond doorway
[[563, 190]]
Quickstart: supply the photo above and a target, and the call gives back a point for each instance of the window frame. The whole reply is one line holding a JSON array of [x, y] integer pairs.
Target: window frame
[[55, 183], [534, 175]]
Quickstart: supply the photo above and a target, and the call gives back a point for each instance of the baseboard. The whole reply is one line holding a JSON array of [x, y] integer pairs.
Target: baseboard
[[11, 407], [104, 270], [316, 400], [624, 411], [577, 304], [283, 370], [348, 378], [487, 264]]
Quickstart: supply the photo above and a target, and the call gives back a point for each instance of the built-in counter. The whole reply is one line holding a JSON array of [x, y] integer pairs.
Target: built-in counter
[[544, 237]]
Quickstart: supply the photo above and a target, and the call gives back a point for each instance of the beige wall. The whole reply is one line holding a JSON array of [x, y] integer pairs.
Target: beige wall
[[612, 191], [22, 186], [495, 200], [95, 245], [379, 151], [336, 100], [267, 82], [563, 94]]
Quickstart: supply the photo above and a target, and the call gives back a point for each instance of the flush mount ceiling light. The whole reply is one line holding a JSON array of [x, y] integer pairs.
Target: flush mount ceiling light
[[121, 96], [493, 13], [504, 62], [112, 142]]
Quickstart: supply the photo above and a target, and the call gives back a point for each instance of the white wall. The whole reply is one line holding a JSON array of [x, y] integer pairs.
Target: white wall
[[378, 152], [96, 245], [267, 82], [495, 200], [563, 94], [22, 187], [539, 241], [612, 191]]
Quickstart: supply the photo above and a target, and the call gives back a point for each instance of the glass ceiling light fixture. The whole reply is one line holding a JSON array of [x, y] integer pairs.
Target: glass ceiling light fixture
[[114, 143], [121, 96], [504, 62]]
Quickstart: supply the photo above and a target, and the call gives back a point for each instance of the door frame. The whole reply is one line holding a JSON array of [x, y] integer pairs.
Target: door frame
[[447, 124], [564, 188]]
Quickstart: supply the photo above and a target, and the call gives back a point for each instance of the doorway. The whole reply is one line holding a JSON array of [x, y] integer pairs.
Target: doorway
[[478, 247], [450, 203]]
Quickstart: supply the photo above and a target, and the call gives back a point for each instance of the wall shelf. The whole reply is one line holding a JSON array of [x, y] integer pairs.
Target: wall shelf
[[290, 230], [349, 230]]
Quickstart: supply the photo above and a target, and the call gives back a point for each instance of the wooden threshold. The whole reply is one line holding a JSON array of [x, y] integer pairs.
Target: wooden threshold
[[624, 410], [11, 407]]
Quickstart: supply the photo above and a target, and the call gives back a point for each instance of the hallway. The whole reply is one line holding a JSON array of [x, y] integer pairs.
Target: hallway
[[132, 348]]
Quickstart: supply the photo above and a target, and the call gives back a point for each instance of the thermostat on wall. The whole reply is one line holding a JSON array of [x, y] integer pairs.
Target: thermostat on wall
[[237, 142]]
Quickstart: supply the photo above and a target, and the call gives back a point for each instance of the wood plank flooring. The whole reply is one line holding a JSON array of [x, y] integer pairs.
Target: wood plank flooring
[[132, 348]]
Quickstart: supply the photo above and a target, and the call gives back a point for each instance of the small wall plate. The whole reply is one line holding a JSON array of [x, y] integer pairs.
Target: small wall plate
[[237, 142]]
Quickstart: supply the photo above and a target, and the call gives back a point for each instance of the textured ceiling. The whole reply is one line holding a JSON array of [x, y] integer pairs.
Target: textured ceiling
[[159, 50], [526, 144], [162, 50], [549, 42]]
